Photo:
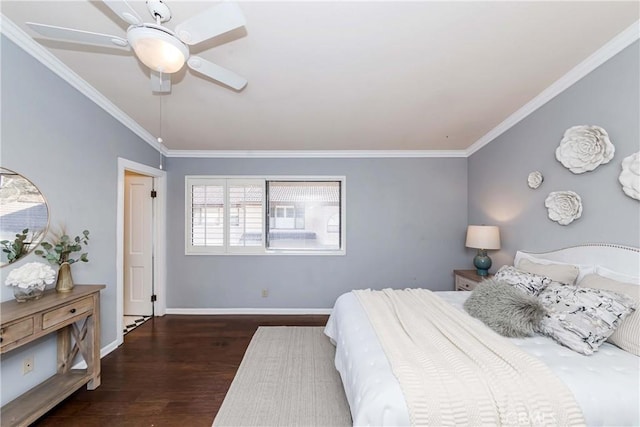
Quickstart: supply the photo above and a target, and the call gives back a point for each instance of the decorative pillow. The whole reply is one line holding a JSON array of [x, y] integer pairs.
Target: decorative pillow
[[529, 283], [505, 309], [582, 318], [627, 336], [583, 269], [562, 273]]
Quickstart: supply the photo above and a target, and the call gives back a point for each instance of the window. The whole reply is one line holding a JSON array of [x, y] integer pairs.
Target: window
[[264, 215], [301, 210]]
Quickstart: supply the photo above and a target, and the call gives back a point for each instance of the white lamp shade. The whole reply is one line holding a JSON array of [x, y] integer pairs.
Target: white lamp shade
[[158, 50], [483, 237]]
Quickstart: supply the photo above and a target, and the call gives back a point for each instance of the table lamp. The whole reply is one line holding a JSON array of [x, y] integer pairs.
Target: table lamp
[[482, 237]]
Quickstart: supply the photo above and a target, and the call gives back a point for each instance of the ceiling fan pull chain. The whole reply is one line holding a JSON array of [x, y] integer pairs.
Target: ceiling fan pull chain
[[160, 140]]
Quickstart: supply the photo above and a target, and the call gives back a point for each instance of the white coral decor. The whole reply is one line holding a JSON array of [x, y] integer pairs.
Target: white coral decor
[[630, 176], [33, 274], [534, 180], [563, 206], [584, 148]]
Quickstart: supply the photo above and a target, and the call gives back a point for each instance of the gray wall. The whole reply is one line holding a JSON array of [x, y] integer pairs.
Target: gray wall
[[68, 147], [498, 191], [406, 220]]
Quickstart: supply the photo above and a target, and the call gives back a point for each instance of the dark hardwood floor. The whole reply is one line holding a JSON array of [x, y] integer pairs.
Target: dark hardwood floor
[[171, 371]]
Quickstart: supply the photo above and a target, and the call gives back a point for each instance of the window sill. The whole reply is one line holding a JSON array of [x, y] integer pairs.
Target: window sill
[[271, 252]]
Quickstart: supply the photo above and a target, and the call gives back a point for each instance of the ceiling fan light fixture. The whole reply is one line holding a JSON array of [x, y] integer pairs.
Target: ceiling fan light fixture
[[158, 49]]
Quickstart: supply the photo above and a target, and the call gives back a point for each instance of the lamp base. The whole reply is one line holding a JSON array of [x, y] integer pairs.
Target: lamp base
[[482, 262]]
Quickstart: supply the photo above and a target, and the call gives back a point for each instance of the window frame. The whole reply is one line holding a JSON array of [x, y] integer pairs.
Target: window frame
[[226, 248]]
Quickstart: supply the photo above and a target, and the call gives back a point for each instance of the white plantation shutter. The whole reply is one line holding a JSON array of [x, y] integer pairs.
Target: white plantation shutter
[[246, 213], [206, 221]]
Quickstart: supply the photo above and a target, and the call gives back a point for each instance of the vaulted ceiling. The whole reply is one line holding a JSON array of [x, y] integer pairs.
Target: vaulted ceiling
[[342, 75]]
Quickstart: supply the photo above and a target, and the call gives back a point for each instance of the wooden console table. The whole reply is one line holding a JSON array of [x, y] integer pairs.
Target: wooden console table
[[54, 312]]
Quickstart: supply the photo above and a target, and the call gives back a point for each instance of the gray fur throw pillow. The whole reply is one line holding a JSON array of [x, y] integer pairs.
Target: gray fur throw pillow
[[505, 309]]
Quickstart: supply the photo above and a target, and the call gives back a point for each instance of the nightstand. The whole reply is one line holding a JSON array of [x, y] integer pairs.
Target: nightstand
[[466, 280]]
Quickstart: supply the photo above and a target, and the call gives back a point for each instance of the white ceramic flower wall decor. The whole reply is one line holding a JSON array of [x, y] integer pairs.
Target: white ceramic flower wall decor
[[630, 176], [584, 148], [534, 180], [563, 206]]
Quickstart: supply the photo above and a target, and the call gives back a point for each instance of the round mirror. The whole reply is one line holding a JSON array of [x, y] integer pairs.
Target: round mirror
[[24, 216]]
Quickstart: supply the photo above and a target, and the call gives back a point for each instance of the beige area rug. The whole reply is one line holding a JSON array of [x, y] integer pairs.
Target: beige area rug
[[287, 378]]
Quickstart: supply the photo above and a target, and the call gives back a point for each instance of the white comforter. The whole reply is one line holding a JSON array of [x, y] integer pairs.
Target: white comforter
[[606, 385]]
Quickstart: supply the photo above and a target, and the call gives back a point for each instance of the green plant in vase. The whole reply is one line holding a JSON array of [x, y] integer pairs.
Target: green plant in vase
[[61, 251]]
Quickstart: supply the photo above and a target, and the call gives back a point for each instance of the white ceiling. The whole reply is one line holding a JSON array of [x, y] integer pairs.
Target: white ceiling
[[343, 75]]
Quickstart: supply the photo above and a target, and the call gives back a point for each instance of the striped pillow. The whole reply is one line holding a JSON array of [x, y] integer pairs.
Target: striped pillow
[[627, 336]]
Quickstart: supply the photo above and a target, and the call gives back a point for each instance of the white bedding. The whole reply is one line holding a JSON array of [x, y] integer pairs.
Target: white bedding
[[606, 385]]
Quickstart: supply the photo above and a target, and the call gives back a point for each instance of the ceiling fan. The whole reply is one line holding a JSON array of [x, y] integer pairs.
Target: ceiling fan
[[162, 50]]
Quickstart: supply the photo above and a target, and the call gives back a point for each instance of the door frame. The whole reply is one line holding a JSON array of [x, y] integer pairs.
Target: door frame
[[159, 248]]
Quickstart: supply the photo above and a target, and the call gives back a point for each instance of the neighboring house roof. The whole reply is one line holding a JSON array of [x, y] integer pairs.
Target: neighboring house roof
[[327, 193]]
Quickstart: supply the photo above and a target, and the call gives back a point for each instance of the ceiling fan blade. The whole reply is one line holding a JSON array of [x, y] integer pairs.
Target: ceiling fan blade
[[160, 82], [217, 73], [212, 22], [124, 11], [78, 36]]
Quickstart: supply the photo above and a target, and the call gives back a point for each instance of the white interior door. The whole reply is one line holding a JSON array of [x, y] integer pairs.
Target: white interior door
[[138, 245]]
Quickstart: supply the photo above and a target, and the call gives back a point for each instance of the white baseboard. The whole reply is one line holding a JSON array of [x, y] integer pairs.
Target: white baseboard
[[103, 352], [228, 311]]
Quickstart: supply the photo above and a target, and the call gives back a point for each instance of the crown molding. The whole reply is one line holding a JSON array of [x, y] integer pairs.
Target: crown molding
[[599, 57], [29, 45], [309, 154]]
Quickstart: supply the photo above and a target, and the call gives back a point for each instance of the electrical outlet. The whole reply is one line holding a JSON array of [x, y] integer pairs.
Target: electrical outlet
[[265, 293], [27, 365]]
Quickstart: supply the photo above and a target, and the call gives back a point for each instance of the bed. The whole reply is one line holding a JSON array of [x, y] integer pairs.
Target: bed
[[606, 385]]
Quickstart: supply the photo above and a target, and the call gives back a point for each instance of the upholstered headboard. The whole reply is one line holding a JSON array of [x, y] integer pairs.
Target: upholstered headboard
[[622, 259]]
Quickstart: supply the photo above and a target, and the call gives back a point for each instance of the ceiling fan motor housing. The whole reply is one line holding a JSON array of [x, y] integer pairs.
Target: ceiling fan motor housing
[[159, 10]]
